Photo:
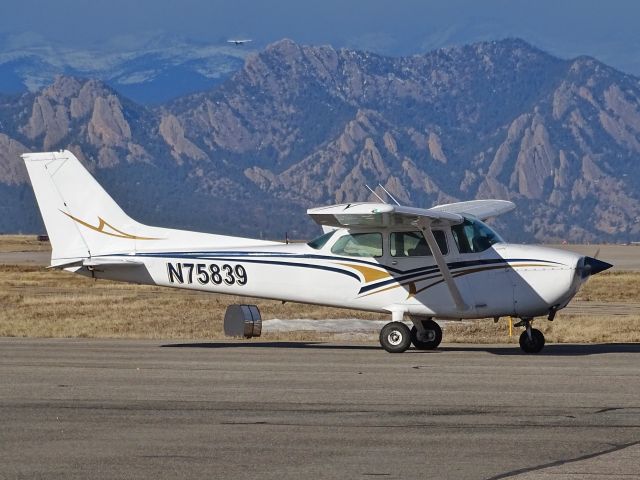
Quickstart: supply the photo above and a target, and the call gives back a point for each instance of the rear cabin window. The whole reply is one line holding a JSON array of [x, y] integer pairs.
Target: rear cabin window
[[321, 241], [413, 244], [359, 245], [473, 236]]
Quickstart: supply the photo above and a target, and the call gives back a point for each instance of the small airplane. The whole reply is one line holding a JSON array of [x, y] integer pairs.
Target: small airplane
[[410, 263], [240, 41]]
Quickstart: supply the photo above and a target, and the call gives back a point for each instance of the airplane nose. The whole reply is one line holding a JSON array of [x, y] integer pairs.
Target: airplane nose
[[590, 266]]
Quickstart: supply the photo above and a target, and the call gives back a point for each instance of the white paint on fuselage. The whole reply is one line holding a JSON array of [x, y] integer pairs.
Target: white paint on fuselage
[[506, 279]]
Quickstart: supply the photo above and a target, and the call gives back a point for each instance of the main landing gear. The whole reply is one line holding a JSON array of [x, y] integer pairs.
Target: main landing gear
[[396, 337], [532, 339]]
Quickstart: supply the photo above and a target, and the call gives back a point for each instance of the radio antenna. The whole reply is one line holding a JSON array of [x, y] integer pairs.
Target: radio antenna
[[373, 191], [390, 196]]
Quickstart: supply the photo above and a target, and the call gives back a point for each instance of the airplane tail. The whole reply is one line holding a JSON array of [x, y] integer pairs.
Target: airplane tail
[[81, 218], [83, 221]]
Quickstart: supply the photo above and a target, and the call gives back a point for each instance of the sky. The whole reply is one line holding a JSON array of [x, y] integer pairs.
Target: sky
[[607, 29]]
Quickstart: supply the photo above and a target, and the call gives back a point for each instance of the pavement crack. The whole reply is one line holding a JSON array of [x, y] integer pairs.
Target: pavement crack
[[557, 463], [609, 409], [190, 457]]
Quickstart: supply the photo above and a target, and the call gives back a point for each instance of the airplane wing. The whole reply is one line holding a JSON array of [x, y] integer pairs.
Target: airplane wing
[[481, 209], [380, 215]]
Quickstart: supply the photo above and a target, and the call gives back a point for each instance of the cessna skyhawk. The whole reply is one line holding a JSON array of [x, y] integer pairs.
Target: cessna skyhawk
[[411, 263]]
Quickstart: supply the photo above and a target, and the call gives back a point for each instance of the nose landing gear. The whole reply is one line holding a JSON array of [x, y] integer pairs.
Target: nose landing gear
[[532, 339]]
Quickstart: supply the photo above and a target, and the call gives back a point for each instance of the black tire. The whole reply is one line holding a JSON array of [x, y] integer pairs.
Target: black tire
[[533, 345], [395, 337], [430, 337]]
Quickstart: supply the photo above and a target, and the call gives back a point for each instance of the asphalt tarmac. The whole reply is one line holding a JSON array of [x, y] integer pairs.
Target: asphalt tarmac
[[78, 409]]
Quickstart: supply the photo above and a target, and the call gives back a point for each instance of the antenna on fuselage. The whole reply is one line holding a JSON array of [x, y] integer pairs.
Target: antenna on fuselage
[[390, 196], [373, 191]]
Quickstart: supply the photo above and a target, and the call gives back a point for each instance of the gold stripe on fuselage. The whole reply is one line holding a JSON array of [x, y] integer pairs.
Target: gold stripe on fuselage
[[413, 291], [369, 274]]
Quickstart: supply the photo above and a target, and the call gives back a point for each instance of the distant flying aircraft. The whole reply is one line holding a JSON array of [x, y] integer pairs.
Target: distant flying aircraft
[[411, 263], [239, 41]]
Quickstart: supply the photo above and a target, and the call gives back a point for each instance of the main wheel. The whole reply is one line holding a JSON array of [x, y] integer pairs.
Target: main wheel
[[395, 337], [533, 344], [427, 339]]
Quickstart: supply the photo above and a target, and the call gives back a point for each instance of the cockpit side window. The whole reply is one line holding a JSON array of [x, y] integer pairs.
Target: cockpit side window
[[359, 245], [473, 236], [413, 244]]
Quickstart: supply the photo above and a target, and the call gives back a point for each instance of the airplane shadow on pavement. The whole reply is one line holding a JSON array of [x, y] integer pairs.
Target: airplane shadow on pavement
[[560, 349], [549, 350], [317, 345]]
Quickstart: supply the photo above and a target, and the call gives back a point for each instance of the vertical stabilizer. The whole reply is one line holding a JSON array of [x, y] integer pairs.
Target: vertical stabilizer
[[80, 217]]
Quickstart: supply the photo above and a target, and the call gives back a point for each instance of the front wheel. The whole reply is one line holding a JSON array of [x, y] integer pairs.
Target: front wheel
[[395, 337], [533, 344], [428, 338]]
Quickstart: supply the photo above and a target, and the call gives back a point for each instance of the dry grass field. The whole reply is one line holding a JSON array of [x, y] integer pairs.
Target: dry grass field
[[22, 243], [36, 302], [51, 303]]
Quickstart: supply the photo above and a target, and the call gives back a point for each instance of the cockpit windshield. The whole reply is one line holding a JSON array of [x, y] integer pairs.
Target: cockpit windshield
[[321, 241], [474, 236]]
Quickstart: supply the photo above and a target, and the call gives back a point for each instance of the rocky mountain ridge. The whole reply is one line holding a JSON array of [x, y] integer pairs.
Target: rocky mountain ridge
[[300, 126], [151, 72]]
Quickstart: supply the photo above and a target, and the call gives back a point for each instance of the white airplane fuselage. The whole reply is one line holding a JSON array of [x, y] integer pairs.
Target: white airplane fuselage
[[504, 280]]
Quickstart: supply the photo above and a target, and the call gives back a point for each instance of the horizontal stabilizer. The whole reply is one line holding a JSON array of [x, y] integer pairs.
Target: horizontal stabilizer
[[98, 262]]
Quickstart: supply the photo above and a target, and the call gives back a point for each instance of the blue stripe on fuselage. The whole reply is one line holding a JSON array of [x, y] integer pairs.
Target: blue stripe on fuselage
[[404, 275]]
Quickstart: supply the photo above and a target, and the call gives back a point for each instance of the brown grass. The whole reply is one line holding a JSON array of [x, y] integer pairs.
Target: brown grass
[[22, 243], [48, 303], [611, 287], [36, 302], [564, 329]]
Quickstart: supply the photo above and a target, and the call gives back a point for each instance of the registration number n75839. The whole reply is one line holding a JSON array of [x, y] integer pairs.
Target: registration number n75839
[[205, 273]]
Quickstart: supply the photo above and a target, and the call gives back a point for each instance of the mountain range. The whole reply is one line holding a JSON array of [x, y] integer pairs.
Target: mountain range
[[300, 126], [153, 70]]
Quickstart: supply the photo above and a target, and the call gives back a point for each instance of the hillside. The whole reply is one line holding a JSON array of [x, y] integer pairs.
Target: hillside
[[150, 71], [300, 126]]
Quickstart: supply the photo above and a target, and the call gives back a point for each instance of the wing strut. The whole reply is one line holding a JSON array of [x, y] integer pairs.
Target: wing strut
[[425, 227]]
